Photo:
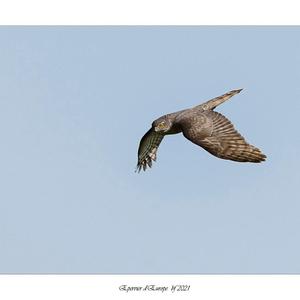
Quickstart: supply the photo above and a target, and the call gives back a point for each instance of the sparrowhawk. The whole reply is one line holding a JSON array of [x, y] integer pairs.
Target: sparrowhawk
[[204, 127]]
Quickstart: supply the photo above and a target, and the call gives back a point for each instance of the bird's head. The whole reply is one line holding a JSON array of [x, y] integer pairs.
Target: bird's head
[[162, 124]]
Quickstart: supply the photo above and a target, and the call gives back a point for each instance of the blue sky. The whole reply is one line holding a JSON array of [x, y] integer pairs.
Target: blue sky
[[75, 102]]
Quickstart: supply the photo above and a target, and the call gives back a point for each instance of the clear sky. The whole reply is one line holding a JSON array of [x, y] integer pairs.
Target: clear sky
[[74, 103]]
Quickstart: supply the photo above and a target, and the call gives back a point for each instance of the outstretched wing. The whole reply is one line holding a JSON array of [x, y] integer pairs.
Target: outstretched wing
[[147, 149], [222, 140], [213, 103]]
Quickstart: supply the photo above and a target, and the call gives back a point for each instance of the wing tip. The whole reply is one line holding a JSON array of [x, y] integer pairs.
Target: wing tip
[[263, 157], [236, 91], [258, 158], [142, 165]]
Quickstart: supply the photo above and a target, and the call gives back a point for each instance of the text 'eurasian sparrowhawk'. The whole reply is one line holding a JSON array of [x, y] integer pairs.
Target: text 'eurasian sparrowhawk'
[[204, 127]]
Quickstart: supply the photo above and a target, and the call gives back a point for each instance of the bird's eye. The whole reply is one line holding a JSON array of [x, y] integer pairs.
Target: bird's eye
[[161, 125]]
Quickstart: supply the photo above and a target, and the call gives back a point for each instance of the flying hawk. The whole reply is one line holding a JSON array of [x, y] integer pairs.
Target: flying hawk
[[204, 127]]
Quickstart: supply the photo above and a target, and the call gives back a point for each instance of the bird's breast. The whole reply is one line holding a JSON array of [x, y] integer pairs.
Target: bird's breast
[[176, 128]]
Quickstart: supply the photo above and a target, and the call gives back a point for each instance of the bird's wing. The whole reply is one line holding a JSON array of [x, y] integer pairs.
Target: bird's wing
[[147, 149], [213, 103], [222, 139]]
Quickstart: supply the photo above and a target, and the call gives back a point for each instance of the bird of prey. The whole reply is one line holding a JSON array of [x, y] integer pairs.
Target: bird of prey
[[202, 126]]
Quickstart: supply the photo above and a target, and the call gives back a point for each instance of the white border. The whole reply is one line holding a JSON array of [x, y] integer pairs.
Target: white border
[[90, 287], [149, 12], [153, 12]]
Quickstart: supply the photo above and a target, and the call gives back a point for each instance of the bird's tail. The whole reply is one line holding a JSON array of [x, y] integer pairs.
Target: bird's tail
[[213, 103]]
